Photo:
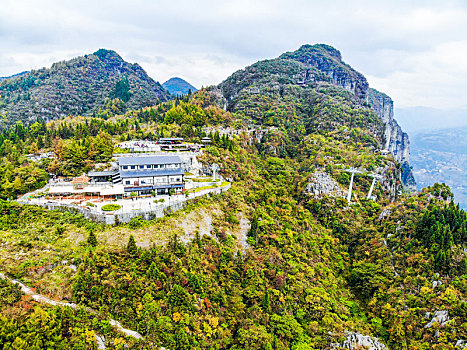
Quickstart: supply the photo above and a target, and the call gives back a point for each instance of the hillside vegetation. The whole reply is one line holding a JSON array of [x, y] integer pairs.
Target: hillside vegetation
[[266, 265], [82, 86]]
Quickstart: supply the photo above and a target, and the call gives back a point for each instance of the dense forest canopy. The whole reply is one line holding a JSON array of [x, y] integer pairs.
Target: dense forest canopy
[[268, 264]]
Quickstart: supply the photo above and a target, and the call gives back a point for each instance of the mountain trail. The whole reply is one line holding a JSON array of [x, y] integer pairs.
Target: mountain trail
[[43, 299]]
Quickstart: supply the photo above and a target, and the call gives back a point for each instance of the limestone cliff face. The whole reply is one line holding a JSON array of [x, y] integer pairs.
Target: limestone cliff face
[[395, 140], [328, 60]]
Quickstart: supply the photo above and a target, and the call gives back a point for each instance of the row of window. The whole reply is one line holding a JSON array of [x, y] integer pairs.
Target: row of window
[[157, 180], [150, 166]]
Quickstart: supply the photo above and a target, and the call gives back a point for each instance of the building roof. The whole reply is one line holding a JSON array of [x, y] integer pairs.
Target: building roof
[[150, 173], [103, 173], [113, 190], [80, 179], [104, 190], [149, 160]]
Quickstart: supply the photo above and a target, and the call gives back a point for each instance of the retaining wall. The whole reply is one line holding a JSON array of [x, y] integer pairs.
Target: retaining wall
[[113, 217]]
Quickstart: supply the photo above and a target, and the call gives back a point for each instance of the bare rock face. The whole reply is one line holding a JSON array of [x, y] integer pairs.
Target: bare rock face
[[321, 184], [396, 141], [441, 317], [328, 60], [356, 340]]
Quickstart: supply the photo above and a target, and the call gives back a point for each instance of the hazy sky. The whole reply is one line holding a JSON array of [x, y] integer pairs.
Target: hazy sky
[[415, 51]]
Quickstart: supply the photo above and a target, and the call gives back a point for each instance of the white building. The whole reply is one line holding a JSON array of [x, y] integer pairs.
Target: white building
[[144, 175], [140, 146]]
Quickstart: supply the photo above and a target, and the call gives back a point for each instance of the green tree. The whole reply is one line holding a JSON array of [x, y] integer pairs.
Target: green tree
[[122, 90], [92, 239], [131, 247]]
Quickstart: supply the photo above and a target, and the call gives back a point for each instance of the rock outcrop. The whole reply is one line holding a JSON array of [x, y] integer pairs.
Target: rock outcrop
[[440, 317], [321, 184], [356, 340], [328, 60]]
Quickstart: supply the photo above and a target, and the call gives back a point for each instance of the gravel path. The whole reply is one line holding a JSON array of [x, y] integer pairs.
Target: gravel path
[[43, 299]]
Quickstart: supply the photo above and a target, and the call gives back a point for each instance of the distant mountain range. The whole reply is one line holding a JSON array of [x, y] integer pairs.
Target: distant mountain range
[[438, 144], [80, 86], [178, 86], [417, 119], [14, 75], [441, 156]]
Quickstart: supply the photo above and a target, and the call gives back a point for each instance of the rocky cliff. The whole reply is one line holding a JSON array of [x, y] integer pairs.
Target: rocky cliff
[[328, 60], [395, 140], [317, 69]]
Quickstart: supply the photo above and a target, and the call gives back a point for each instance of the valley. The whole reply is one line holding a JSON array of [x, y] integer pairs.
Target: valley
[[441, 156]]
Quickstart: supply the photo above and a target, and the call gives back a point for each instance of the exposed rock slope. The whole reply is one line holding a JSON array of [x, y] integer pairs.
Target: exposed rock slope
[[321, 184]]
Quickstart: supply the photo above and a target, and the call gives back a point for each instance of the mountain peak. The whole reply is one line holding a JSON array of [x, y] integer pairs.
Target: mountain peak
[[322, 48], [178, 86], [77, 86], [104, 54], [307, 52]]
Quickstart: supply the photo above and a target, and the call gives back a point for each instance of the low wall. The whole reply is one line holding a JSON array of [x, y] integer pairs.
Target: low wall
[[113, 217]]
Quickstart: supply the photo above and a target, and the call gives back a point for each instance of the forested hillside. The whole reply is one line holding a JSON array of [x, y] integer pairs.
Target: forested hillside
[[85, 85], [312, 90], [279, 261]]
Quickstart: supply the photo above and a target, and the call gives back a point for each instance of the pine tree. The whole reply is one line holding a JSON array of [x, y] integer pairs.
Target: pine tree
[[92, 239], [131, 247]]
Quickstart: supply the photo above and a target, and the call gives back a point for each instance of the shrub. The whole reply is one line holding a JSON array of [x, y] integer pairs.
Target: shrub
[[59, 230], [131, 247], [111, 207], [136, 222]]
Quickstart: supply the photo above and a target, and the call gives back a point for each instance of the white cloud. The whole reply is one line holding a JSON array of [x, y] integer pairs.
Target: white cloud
[[434, 78], [414, 51]]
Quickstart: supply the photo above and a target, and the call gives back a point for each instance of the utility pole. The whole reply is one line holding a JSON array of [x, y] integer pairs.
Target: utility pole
[[353, 171]]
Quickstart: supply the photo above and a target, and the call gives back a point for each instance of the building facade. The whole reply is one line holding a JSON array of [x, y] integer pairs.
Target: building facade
[[158, 174], [148, 174]]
